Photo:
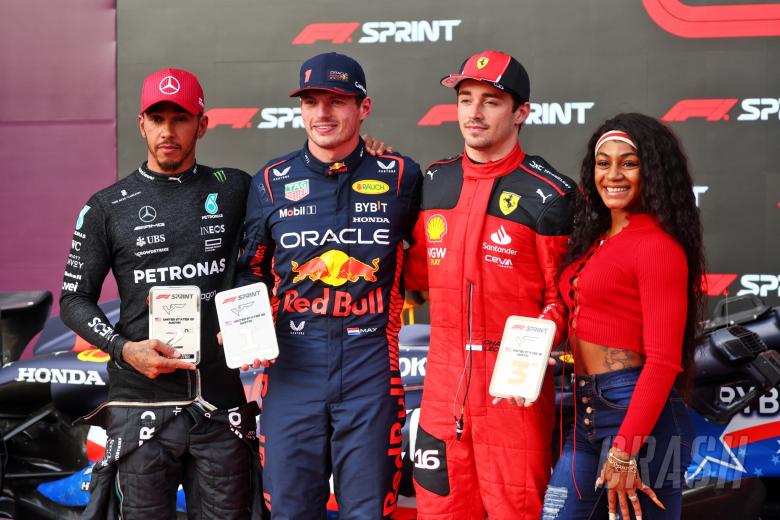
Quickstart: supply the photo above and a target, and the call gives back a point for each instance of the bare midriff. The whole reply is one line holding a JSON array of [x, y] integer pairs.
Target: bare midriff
[[590, 358]]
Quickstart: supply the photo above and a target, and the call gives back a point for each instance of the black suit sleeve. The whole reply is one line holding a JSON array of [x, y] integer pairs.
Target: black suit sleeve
[[86, 268]]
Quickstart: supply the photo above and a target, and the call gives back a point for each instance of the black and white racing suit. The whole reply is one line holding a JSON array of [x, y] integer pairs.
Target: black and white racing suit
[[191, 427]]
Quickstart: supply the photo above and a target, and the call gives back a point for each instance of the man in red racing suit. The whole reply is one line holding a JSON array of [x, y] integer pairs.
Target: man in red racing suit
[[492, 232]]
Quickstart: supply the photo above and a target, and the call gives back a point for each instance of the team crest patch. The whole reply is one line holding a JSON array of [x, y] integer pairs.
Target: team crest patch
[[482, 62], [336, 75], [508, 202], [295, 191]]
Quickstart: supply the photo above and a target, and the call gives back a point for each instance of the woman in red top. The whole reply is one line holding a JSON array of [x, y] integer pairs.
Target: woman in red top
[[631, 284]]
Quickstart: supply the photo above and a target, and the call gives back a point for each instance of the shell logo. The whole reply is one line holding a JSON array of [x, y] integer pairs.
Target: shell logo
[[93, 355], [370, 187], [436, 228]]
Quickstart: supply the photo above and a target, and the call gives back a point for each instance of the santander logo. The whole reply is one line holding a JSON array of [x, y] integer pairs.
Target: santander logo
[[501, 237]]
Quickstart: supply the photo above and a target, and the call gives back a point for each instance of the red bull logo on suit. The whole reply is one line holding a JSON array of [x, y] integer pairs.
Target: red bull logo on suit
[[335, 268]]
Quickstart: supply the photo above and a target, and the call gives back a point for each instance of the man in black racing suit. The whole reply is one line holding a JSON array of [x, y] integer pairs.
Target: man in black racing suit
[[170, 222]]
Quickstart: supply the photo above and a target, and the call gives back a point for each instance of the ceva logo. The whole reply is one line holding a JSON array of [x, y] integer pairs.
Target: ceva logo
[[414, 31], [720, 109]]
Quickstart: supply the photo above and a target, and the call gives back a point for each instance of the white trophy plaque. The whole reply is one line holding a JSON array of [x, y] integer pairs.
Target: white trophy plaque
[[522, 358], [247, 325], [174, 318]]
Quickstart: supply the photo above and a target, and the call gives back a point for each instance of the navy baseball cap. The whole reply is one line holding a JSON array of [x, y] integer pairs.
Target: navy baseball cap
[[332, 72]]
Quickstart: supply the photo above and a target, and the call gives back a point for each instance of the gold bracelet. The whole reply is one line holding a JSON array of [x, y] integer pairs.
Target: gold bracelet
[[620, 464]]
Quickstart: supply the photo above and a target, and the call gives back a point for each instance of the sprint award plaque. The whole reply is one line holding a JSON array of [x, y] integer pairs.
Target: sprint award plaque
[[522, 358], [247, 325], [174, 318]]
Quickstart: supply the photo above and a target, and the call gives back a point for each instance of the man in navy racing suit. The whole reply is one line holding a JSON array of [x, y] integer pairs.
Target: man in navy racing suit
[[325, 229], [170, 222]]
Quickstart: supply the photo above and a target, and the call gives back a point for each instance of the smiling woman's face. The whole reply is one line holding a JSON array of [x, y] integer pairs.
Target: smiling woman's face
[[617, 174]]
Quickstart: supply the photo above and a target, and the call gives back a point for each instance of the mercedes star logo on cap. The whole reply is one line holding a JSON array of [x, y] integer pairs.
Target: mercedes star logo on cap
[[147, 214], [169, 85]]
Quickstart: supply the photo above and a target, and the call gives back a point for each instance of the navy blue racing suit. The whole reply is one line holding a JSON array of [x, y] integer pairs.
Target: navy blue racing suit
[[329, 238]]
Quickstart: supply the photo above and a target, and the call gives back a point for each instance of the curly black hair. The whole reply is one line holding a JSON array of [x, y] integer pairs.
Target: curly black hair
[[666, 192]]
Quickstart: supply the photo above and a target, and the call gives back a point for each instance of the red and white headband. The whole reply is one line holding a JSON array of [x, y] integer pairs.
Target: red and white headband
[[614, 135]]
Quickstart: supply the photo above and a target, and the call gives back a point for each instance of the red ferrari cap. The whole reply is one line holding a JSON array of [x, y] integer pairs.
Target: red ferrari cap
[[174, 85], [495, 68]]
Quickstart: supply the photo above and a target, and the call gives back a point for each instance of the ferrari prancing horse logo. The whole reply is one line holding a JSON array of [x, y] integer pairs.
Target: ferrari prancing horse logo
[[508, 202], [482, 62]]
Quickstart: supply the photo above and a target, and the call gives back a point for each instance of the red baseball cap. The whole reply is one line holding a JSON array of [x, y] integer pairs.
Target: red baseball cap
[[500, 70], [174, 85]]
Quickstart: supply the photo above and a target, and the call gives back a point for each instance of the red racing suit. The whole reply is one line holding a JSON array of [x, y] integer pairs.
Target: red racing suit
[[487, 245]]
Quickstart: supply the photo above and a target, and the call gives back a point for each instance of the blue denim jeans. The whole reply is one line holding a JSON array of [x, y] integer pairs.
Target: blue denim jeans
[[602, 401]]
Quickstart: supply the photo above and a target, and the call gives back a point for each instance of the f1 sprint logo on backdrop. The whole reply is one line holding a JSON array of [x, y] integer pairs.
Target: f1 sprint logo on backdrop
[[541, 114], [270, 117], [715, 21], [763, 285], [720, 109], [290, 117], [378, 32]]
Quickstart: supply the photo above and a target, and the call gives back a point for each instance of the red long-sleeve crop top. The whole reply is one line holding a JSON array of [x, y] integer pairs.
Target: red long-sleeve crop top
[[632, 295]]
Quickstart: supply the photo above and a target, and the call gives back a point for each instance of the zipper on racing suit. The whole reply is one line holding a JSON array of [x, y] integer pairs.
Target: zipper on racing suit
[[466, 373]]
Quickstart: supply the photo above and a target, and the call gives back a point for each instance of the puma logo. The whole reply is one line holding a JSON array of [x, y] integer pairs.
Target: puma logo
[[543, 196]]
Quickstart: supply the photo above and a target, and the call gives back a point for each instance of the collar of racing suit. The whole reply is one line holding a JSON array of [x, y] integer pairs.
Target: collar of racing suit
[[493, 169], [349, 164], [164, 178]]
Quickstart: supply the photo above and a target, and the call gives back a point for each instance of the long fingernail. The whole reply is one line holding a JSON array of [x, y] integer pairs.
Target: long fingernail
[[612, 516]]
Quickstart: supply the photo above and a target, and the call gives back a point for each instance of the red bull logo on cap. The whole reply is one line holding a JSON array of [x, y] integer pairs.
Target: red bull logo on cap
[[335, 268]]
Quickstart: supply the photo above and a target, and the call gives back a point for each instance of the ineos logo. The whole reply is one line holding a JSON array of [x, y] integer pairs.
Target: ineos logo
[[147, 214], [169, 85]]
